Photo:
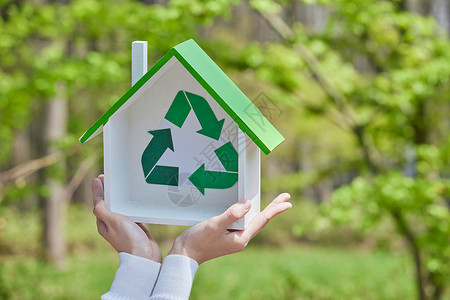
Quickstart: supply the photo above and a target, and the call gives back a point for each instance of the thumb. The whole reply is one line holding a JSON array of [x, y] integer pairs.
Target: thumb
[[233, 213], [102, 212], [97, 190]]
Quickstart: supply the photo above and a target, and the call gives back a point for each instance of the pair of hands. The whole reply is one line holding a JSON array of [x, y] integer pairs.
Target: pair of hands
[[201, 242]]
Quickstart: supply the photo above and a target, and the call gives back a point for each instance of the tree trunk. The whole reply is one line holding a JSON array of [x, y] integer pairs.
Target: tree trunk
[[415, 252], [422, 7], [54, 206], [441, 12]]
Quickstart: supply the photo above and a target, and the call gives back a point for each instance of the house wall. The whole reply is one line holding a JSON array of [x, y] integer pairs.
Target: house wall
[[144, 112]]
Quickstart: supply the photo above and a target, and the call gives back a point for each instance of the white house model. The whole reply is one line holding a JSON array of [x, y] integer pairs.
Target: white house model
[[183, 144]]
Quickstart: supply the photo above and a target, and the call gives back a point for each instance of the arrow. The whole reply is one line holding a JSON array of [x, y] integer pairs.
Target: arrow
[[161, 141], [163, 175], [228, 157], [181, 106], [212, 179], [178, 110], [211, 127]]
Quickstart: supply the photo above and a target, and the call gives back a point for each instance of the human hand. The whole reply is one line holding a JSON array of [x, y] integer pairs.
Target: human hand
[[211, 239], [118, 230]]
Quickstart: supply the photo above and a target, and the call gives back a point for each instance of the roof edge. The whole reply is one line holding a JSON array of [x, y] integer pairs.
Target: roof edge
[[105, 117], [222, 102], [179, 51]]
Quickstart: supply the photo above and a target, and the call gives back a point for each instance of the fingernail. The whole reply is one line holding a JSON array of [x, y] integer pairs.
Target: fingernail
[[245, 204]]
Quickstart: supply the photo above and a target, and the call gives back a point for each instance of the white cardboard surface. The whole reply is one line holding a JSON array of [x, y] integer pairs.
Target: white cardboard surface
[[126, 136]]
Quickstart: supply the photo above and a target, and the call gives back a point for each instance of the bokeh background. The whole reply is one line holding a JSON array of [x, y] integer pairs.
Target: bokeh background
[[360, 89]]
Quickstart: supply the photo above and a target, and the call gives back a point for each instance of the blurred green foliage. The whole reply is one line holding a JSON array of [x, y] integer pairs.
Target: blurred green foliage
[[260, 272], [363, 102], [384, 78], [365, 202]]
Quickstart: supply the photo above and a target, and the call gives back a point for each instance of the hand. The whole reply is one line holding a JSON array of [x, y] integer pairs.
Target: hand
[[211, 239], [118, 230]]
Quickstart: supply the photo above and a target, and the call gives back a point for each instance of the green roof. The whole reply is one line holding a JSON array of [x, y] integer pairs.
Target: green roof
[[251, 121]]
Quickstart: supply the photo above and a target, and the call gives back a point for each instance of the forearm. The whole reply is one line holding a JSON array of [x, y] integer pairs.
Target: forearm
[[175, 279], [134, 280]]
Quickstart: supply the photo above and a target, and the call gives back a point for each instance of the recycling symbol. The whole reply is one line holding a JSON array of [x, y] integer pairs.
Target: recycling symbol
[[162, 140]]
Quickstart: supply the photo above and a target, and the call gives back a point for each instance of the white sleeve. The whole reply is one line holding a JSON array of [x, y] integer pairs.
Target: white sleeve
[[175, 279], [135, 278]]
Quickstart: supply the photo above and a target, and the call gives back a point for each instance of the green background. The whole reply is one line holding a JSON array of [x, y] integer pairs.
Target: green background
[[359, 89]]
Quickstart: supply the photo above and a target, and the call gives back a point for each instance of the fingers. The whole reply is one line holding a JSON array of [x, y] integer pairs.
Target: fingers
[[232, 214], [281, 198], [102, 178], [102, 212], [277, 206], [101, 227], [97, 190], [100, 209]]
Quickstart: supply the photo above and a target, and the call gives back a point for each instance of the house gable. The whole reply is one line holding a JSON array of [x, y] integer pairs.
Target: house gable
[[127, 133], [216, 82]]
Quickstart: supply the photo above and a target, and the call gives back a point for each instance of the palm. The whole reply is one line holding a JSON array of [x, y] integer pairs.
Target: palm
[[120, 231]]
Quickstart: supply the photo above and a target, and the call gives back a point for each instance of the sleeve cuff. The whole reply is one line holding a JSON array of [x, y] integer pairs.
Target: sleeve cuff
[[135, 278], [175, 279]]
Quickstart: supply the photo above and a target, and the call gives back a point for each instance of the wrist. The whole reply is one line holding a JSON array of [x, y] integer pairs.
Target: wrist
[[180, 248], [147, 253]]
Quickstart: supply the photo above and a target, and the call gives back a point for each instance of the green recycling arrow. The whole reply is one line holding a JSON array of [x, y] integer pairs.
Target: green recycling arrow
[[203, 179], [218, 180], [181, 106], [163, 175], [161, 141], [179, 110], [228, 157]]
